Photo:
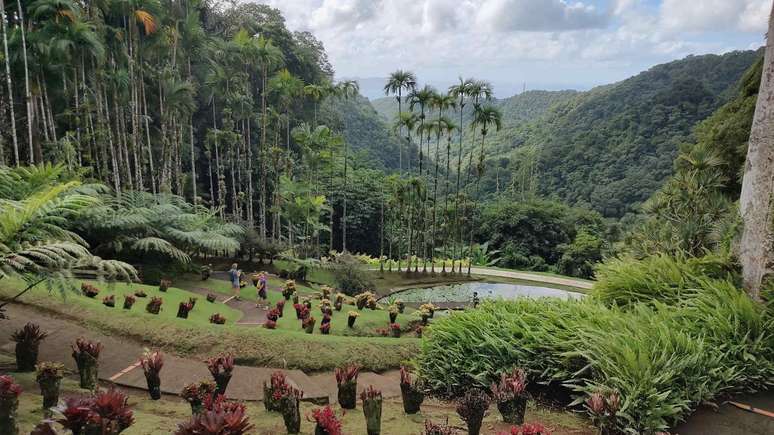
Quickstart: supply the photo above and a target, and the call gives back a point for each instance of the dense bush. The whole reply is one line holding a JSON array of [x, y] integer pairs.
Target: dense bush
[[351, 279], [663, 359]]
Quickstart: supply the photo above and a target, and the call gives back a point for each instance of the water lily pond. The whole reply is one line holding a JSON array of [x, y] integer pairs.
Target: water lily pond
[[463, 293]]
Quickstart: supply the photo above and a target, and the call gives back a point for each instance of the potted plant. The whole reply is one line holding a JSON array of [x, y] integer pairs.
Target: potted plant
[[361, 300], [425, 315], [372, 409], [371, 302], [86, 355], [325, 307], [529, 429], [221, 367], [325, 421], [346, 380], [217, 319], [129, 301], [351, 317], [151, 363], [27, 346], [400, 305], [410, 391], [393, 311], [164, 285], [218, 417], [277, 382], [140, 293], [471, 408], [94, 414], [270, 324], [109, 301], [289, 289], [603, 406], [510, 395], [206, 271], [281, 307], [308, 324], [48, 376], [326, 292], [154, 305], [325, 328], [9, 405], [211, 297], [183, 309], [273, 314], [395, 330], [429, 308], [89, 290], [196, 393], [192, 301], [338, 303], [295, 298], [288, 401], [307, 303]]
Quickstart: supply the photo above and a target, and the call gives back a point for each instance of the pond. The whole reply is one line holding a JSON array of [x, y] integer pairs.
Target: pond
[[463, 293]]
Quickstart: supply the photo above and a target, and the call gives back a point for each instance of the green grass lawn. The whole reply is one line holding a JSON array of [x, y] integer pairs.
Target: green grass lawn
[[253, 345]]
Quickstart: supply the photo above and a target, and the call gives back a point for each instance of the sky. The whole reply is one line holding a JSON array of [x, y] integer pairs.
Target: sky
[[517, 44]]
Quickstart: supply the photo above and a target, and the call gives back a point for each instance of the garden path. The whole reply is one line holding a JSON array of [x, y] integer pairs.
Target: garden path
[[251, 314], [118, 361]]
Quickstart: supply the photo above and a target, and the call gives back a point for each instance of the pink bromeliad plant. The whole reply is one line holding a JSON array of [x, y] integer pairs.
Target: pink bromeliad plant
[[218, 417], [511, 396], [221, 367], [105, 412], [9, 404], [326, 422]]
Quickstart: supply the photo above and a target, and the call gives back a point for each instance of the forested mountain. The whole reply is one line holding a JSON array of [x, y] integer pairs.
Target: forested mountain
[[612, 147]]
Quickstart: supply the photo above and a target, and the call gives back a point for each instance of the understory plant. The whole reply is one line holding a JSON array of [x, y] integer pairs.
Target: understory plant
[[372, 410], [510, 395], [411, 391], [393, 312], [351, 317], [325, 328], [140, 293], [288, 400], [9, 405], [104, 412], [528, 429], [221, 368], [49, 376], [217, 319], [471, 408], [86, 355], [129, 301], [603, 407], [338, 303], [326, 422], [151, 363], [196, 393], [308, 324], [273, 314], [27, 340], [154, 305], [183, 309], [346, 381], [395, 330], [219, 417], [280, 307], [289, 289], [277, 382], [109, 301], [89, 290], [211, 297], [164, 285]]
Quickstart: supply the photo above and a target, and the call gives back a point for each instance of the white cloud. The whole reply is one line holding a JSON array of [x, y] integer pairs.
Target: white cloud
[[570, 41], [539, 15], [715, 15]]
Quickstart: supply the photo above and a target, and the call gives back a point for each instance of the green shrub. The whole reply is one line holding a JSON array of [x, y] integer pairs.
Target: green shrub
[[351, 279], [663, 359], [624, 281]]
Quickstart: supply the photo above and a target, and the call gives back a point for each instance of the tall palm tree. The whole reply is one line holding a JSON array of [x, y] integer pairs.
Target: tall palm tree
[[409, 121], [346, 90], [269, 57], [461, 91], [28, 92], [7, 58], [441, 102], [316, 93], [484, 117], [422, 98], [449, 128], [398, 82]]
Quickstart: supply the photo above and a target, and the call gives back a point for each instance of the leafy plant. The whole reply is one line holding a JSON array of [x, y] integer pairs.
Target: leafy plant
[[218, 417], [471, 408], [48, 376], [103, 412], [326, 420], [129, 301], [217, 319], [151, 363], [351, 279], [221, 367], [154, 305], [275, 388], [196, 393], [109, 301], [27, 344], [89, 290], [437, 429]]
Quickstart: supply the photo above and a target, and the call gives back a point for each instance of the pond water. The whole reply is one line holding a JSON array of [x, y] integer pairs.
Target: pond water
[[463, 293]]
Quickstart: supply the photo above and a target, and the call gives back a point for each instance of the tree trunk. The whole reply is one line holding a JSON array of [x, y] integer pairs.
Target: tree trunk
[[9, 82], [755, 202], [28, 94]]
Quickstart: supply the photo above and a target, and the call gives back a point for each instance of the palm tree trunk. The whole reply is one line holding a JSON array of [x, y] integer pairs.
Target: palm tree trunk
[[263, 156], [151, 173], [479, 173], [435, 198], [193, 159], [9, 82], [755, 201], [446, 190], [28, 93], [344, 209]]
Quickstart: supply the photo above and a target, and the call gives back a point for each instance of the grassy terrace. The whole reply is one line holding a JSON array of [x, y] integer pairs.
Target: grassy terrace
[[196, 337]]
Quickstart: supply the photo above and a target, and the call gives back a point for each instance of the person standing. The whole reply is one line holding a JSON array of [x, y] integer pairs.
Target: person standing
[[234, 275]]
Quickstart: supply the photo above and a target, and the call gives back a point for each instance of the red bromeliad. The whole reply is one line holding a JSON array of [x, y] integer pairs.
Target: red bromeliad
[[326, 420], [103, 412]]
